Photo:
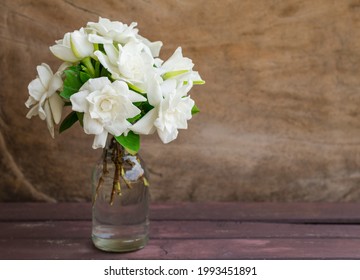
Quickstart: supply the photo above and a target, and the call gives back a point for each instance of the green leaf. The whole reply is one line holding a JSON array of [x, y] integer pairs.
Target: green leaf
[[80, 117], [68, 121], [104, 72], [72, 82], [171, 74], [134, 119], [195, 110], [131, 142], [144, 107], [84, 77]]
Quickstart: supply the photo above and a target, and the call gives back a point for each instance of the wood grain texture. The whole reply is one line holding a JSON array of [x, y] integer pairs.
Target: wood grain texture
[[336, 213], [184, 230], [211, 249], [279, 112], [199, 235]]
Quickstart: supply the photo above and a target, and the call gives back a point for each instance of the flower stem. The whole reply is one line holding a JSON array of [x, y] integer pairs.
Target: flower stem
[[87, 62], [117, 160], [101, 179]]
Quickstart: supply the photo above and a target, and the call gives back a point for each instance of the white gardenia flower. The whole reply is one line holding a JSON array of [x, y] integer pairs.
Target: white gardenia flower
[[106, 107], [177, 62], [153, 46], [106, 31], [74, 47], [172, 110], [179, 68], [129, 63], [43, 99]]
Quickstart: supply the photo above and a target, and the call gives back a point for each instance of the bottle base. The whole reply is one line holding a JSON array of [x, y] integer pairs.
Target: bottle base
[[119, 245]]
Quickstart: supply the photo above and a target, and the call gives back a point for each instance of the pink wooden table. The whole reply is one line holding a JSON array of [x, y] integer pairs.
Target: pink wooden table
[[189, 231]]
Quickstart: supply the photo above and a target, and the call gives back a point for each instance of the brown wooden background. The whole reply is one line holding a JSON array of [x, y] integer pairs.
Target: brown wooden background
[[280, 108]]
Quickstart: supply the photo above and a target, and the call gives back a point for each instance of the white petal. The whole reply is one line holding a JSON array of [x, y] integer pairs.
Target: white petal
[[66, 40], [118, 128], [100, 140], [45, 74], [132, 47], [97, 83], [177, 62], [36, 89], [80, 45], [112, 52], [63, 67], [92, 126], [195, 76], [158, 62], [135, 97], [185, 106], [127, 34], [153, 46], [183, 90], [64, 53], [154, 94], [94, 38], [189, 76], [49, 119], [42, 112], [167, 136], [146, 124], [132, 110], [182, 124], [56, 105], [55, 84], [34, 111], [104, 60], [168, 87], [121, 87], [79, 102], [31, 101]]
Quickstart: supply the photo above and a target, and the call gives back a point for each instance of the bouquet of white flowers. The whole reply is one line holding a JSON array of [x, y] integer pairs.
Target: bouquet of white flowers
[[116, 84]]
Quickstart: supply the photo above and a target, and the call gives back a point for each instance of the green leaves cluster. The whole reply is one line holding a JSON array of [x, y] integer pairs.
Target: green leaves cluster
[[75, 77]]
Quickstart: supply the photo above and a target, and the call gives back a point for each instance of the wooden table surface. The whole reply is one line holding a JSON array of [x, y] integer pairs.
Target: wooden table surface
[[189, 231]]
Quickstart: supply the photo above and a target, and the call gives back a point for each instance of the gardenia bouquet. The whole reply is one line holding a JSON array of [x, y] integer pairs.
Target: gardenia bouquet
[[116, 84]]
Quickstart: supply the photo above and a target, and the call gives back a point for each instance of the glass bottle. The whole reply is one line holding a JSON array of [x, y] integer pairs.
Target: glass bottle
[[120, 197]]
